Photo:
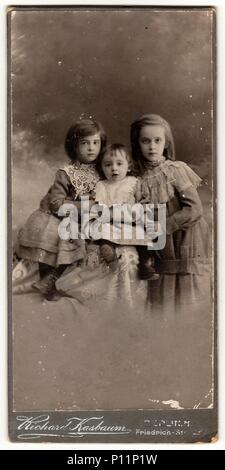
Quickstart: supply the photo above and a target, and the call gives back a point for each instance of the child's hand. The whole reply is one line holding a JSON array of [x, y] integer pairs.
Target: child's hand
[[146, 201], [86, 195], [154, 231], [145, 192], [91, 195]]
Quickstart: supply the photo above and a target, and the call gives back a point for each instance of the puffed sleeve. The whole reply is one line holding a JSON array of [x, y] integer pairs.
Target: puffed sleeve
[[191, 211], [100, 195], [57, 194], [138, 192]]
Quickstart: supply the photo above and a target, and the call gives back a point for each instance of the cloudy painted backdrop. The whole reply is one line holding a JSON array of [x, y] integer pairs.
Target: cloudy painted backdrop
[[113, 65]]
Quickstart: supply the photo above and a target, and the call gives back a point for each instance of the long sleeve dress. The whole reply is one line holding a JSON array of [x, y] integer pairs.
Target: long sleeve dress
[[184, 263], [94, 282], [38, 239], [126, 226]]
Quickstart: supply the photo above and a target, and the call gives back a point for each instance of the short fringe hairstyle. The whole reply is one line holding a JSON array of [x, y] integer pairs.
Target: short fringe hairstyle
[[113, 149], [79, 130]]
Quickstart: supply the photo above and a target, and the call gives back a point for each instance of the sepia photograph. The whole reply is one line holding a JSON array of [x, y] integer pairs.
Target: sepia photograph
[[112, 225]]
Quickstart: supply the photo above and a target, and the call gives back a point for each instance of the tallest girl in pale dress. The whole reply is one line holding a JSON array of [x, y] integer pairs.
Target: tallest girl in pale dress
[[184, 264]]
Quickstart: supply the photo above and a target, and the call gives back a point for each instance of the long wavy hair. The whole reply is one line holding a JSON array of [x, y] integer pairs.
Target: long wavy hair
[[150, 120], [81, 129]]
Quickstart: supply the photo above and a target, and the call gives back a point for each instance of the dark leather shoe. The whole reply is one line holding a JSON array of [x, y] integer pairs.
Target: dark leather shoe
[[147, 271], [46, 286], [108, 252]]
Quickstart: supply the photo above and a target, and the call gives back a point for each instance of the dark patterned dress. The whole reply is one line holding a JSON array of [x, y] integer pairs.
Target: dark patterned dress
[[184, 264], [38, 239]]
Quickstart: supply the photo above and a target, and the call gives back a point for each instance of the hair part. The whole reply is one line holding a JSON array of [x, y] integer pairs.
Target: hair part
[[112, 150], [151, 120], [81, 129]]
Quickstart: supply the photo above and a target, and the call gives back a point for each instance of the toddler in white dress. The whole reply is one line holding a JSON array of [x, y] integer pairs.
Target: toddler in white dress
[[118, 188]]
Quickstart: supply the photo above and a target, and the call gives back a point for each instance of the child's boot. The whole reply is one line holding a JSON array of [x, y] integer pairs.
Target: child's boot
[[46, 286], [147, 271], [108, 252]]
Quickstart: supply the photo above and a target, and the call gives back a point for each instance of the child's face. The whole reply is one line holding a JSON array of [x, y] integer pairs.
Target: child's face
[[88, 148], [115, 167], [152, 142]]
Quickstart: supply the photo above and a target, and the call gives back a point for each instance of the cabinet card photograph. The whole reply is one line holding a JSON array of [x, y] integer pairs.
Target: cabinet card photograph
[[111, 226]]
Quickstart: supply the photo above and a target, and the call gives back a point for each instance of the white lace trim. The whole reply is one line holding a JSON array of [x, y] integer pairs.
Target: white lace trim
[[83, 177], [120, 192]]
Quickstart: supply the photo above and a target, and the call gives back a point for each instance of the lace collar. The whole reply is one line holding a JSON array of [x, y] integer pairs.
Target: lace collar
[[83, 177]]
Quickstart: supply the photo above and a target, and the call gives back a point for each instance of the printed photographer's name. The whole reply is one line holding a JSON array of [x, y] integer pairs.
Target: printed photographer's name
[[73, 425]]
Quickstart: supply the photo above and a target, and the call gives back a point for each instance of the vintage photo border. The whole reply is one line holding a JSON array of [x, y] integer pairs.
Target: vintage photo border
[[116, 426]]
